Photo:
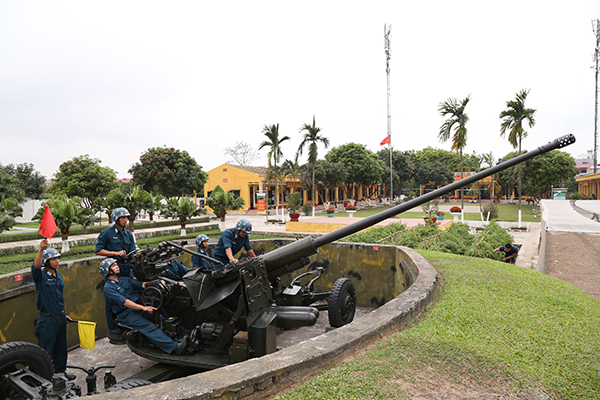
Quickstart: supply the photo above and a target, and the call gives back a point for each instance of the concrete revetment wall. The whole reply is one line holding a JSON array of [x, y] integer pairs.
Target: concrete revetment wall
[[395, 281]]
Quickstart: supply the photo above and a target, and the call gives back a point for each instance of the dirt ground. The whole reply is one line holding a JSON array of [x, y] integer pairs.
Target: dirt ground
[[573, 258]]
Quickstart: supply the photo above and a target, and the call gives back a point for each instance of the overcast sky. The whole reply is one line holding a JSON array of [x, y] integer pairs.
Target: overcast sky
[[114, 78]]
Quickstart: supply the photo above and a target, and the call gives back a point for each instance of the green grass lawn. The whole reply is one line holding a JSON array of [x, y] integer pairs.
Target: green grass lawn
[[492, 325], [507, 212]]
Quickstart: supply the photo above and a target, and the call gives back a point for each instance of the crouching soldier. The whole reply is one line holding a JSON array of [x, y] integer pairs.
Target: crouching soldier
[[122, 295]]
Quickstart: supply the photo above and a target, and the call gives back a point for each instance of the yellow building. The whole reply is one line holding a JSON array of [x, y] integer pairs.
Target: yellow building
[[246, 181], [589, 184]]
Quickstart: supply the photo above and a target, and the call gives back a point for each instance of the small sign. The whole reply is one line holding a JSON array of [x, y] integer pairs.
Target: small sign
[[224, 179], [18, 277], [375, 248]]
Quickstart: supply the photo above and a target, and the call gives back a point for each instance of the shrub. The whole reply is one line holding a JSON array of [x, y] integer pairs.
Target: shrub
[[307, 208], [492, 209], [455, 209], [330, 210], [350, 207]]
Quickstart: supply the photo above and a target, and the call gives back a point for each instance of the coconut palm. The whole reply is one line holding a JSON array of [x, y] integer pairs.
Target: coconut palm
[[182, 209], [512, 122], [293, 170], [67, 212], [273, 143], [456, 121], [275, 153], [311, 139]]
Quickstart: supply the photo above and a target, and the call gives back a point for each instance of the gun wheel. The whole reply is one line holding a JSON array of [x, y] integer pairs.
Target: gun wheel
[[342, 303], [17, 355]]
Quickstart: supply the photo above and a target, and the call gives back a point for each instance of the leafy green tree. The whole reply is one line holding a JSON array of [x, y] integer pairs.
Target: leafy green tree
[[433, 174], [508, 178], [513, 118], [546, 170], [330, 175], [457, 122], [182, 209], [134, 199], [168, 171], [429, 154], [67, 212], [9, 186], [9, 210], [31, 181], [363, 166], [83, 177], [403, 167], [311, 139], [221, 202]]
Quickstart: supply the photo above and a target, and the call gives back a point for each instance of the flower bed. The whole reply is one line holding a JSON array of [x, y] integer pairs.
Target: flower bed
[[350, 207], [455, 209]]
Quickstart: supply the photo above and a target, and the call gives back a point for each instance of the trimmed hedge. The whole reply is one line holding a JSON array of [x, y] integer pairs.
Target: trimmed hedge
[[73, 241], [19, 237]]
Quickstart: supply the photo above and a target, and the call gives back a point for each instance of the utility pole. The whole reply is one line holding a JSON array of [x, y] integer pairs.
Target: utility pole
[[387, 32], [596, 28]]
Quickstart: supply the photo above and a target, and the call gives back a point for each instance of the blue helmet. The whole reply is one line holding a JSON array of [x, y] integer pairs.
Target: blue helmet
[[200, 239], [119, 212], [48, 254], [105, 266], [244, 225]]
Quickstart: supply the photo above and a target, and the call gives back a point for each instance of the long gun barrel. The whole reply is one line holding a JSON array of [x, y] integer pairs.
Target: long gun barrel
[[281, 260]]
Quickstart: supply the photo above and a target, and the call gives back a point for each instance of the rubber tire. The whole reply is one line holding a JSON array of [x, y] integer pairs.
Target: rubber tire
[[341, 305], [16, 355], [128, 384]]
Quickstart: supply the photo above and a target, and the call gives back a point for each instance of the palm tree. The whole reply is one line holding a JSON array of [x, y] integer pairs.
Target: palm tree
[[513, 118], [182, 209], [67, 212], [458, 120], [274, 143], [293, 170], [220, 202], [311, 139], [275, 153], [133, 198]]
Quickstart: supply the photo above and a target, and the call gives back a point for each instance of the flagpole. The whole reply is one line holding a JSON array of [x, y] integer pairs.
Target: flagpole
[[388, 54]]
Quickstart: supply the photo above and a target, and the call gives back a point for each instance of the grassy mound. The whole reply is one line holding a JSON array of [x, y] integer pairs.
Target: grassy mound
[[495, 329]]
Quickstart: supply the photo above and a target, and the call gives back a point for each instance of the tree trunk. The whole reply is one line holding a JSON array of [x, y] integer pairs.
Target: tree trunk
[[131, 218], [462, 195]]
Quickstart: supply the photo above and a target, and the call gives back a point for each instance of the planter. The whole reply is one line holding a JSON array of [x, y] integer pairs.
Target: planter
[[294, 216], [441, 217], [351, 213], [455, 215], [330, 215], [430, 220]]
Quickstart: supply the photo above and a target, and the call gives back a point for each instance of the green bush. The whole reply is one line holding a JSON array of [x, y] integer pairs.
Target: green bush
[[492, 209]]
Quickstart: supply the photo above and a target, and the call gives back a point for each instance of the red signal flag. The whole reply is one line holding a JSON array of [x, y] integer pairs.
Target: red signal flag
[[387, 140], [47, 226]]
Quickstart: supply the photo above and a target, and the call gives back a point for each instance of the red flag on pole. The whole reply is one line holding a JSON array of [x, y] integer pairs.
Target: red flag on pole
[[387, 140], [47, 226]]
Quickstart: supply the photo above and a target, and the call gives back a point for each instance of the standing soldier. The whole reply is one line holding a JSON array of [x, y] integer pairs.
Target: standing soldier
[[116, 242], [51, 328]]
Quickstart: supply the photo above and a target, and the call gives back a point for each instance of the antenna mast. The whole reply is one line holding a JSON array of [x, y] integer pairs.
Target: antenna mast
[[596, 28], [387, 32]]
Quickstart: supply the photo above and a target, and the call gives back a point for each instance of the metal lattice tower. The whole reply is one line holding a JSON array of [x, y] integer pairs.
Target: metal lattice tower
[[387, 32], [596, 28]]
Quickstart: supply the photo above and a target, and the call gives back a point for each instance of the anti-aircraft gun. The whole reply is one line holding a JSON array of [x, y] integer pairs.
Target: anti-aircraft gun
[[232, 313]]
